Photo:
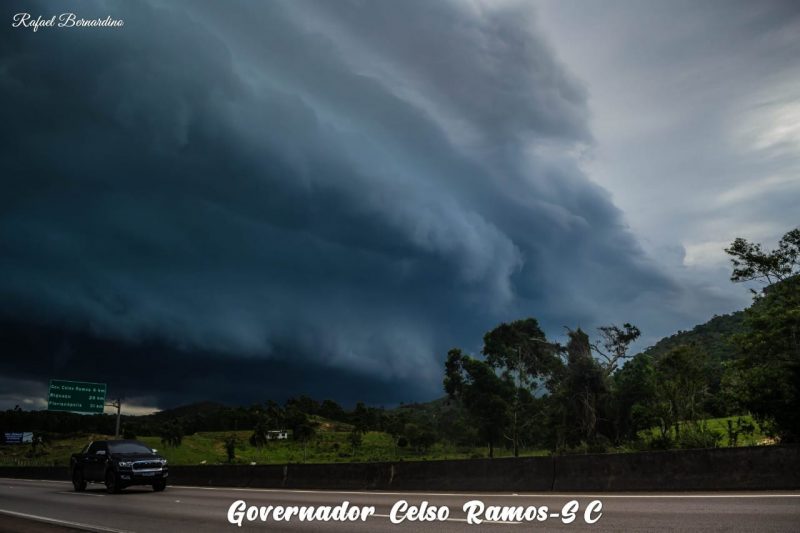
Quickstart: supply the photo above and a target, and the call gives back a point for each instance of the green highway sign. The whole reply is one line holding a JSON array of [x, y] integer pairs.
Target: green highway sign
[[76, 396]]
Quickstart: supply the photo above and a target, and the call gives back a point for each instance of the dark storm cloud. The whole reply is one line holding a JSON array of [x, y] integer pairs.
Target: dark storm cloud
[[152, 370], [320, 197]]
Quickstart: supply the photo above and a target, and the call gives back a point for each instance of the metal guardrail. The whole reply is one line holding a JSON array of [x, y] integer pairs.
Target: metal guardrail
[[30, 462]]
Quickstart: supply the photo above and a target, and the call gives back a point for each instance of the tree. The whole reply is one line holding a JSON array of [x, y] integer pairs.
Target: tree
[[274, 416], [302, 426], [486, 397], [395, 426], [579, 392], [769, 363], [260, 436], [740, 427], [303, 433], [363, 418], [304, 404], [419, 436], [681, 387], [634, 391], [230, 447], [356, 437], [37, 443], [331, 410], [454, 373], [615, 342], [751, 262], [171, 433], [521, 352], [271, 417]]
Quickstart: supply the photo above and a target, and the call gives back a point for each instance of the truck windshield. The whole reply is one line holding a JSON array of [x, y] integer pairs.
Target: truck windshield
[[128, 447]]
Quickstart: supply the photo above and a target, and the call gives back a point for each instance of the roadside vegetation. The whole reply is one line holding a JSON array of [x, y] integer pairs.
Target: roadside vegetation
[[328, 446], [734, 381]]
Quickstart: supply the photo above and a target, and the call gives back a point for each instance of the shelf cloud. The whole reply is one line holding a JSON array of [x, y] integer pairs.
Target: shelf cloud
[[265, 199]]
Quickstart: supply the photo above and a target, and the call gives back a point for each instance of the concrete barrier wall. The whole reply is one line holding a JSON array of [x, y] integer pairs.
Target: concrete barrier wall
[[773, 467], [58, 473], [523, 474], [259, 476], [346, 476]]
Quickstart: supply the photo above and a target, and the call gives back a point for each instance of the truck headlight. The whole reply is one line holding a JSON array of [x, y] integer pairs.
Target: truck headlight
[[125, 464], [163, 462]]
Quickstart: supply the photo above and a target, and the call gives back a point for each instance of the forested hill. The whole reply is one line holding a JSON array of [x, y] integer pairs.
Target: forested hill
[[713, 338]]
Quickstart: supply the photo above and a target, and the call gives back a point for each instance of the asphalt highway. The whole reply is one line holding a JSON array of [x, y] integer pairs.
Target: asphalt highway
[[52, 507]]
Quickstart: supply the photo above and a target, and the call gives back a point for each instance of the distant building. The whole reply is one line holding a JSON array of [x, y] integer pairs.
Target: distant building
[[277, 434]]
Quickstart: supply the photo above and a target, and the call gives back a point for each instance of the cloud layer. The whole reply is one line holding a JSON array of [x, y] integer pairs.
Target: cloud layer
[[695, 111], [329, 193]]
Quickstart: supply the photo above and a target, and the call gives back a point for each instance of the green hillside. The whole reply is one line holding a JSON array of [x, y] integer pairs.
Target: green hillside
[[714, 337]]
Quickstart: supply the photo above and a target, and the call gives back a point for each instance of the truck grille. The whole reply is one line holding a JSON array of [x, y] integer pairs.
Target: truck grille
[[146, 465]]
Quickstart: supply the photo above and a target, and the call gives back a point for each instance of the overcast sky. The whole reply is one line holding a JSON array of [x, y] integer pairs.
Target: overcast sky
[[261, 199]]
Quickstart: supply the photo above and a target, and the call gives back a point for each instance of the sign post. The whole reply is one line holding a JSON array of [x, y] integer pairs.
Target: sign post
[[80, 397], [118, 405], [76, 396]]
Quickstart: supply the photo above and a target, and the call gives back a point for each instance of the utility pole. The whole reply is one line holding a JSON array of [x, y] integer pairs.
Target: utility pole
[[118, 405]]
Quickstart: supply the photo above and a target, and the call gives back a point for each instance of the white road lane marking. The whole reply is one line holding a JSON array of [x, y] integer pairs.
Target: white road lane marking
[[88, 527], [81, 493], [493, 494], [498, 494]]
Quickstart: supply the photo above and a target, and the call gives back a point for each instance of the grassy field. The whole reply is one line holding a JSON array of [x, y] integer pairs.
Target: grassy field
[[720, 425], [209, 448], [328, 446]]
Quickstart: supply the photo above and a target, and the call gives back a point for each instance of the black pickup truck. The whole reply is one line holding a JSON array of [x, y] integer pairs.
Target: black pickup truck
[[118, 464]]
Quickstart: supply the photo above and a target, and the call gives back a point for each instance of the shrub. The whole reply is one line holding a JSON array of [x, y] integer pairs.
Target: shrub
[[661, 442], [699, 436]]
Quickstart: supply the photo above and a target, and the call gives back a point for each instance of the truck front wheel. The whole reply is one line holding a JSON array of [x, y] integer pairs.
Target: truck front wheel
[[77, 480], [112, 482]]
